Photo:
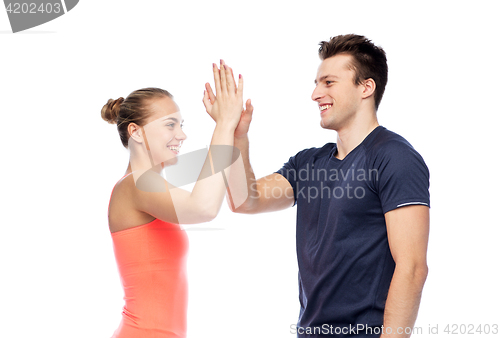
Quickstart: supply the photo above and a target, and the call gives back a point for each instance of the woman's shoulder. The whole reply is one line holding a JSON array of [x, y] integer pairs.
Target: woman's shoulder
[[150, 181], [123, 212]]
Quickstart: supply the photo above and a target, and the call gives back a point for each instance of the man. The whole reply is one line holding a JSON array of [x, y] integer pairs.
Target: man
[[362, 204]]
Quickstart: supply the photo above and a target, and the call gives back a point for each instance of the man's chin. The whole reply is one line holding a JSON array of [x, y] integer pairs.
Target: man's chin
[[326, 125]]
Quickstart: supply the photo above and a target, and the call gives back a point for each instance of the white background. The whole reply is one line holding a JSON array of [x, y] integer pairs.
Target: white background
[[60, 160]]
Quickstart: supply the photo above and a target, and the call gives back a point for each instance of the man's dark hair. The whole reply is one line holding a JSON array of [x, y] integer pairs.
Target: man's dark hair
[[368, 60]]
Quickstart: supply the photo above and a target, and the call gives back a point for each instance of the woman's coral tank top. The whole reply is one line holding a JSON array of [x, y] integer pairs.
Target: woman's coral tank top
[[151, 261]]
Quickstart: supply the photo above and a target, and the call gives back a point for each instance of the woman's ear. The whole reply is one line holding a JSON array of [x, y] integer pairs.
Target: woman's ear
[[135, 132]]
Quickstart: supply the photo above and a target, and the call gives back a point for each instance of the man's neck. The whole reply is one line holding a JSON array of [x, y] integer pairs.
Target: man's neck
[[352, 135]]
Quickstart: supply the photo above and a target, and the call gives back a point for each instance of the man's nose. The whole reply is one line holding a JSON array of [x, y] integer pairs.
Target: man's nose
[[317, 94]]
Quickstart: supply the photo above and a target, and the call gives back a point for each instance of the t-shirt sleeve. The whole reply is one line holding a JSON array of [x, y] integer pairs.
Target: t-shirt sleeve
[[289, 171], [403, 177]]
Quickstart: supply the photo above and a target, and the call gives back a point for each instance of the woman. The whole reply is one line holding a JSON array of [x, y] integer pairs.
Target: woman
[[144, 214]]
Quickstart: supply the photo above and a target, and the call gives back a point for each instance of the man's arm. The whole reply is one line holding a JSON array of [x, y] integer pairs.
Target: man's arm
[[269, 193], [408, 234]]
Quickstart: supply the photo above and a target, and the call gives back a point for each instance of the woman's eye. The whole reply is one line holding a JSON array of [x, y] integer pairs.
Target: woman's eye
[[171, 125], [182, 126], [329, 82]]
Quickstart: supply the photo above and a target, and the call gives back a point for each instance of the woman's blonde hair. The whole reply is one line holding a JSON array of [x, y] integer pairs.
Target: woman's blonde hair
[[133, 109]]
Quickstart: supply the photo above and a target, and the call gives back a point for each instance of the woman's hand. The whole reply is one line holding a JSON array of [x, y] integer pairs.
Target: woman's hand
[[245, 117], [226, 107]]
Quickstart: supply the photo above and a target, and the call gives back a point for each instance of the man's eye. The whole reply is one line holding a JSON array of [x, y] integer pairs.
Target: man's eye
[[182, 126], [329, 82], [170, 125]]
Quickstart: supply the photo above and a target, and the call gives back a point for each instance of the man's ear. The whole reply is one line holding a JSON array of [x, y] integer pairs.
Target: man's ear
[[369, 86]]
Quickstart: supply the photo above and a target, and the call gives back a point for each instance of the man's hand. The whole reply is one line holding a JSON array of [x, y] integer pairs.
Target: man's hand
[[245, 120]]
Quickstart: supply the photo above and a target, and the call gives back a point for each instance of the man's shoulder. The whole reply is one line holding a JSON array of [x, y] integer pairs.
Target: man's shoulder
[[316, 151], [388, 146], [310, 154], [387, 142]]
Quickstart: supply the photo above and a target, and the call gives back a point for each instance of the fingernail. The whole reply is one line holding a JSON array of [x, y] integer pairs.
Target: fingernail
[[214, 65], [225, 68], [240, 76]]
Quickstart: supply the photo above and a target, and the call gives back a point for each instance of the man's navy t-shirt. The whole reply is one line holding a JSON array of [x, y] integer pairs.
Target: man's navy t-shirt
[[345, 264]]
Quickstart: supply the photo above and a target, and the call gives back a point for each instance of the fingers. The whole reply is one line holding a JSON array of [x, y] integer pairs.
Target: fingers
[[231, 84], [232, 75], [248, 110], [223, 77], [206, 101], [210, 93], [249, 107], [217, 79], [239, 91], [224, 81]]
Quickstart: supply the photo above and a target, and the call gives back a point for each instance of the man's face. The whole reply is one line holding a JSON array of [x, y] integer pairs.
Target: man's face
[[336, 93]]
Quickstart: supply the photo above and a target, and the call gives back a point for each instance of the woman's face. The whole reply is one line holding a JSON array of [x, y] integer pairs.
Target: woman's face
[[163, 131]]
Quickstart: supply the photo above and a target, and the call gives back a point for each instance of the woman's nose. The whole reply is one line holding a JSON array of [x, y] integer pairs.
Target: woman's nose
[[181, 135]]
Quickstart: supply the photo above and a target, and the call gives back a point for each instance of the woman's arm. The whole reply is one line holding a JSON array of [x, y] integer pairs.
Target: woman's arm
[[176, 205]]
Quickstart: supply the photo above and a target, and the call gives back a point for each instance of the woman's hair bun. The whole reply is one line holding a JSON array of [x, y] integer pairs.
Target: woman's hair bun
[[111, 110]]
